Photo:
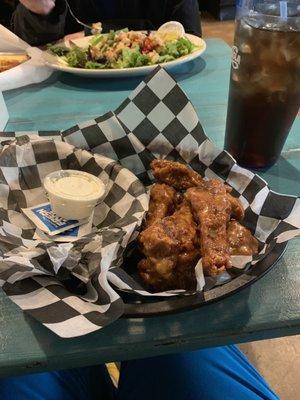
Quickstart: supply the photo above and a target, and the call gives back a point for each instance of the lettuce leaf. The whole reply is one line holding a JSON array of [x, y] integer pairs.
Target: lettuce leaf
[[132, 58], [58, 50], [177, 48], [165, 58], [77, 57], [96, 40], [94, 65]]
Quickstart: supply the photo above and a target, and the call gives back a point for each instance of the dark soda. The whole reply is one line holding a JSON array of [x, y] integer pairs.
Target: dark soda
[[264, 93]]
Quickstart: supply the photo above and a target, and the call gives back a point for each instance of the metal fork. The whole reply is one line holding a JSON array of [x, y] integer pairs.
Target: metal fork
[[76, 19]]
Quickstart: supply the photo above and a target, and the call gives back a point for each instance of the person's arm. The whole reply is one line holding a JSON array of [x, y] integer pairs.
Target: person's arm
[[186, 12], [40, 22]]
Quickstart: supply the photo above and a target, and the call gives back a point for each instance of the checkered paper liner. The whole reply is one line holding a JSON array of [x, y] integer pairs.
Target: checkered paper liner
[[32, 272], [156, 121]]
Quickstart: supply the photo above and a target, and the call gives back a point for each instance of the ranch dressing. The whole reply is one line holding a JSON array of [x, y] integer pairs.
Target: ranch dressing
[[73, 194], [75, 186]]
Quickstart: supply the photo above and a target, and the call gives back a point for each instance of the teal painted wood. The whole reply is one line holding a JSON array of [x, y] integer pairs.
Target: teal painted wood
[[269, 308], [65, 100]]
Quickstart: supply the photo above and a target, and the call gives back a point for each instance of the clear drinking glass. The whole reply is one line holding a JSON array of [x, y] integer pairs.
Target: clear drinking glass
[[264, 93]]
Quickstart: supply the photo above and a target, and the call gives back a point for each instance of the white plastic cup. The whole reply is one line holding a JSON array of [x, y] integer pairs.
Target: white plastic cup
[[73, 194]]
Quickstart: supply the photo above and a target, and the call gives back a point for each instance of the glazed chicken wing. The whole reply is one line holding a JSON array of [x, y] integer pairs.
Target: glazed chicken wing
[[219, 188], [213, 206], [241, 241], [170, 246], [212, 212], [197, 221], [162, 202], [175, 174]]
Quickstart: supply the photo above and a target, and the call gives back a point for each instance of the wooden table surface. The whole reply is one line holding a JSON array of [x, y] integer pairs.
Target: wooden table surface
[[269, 308]]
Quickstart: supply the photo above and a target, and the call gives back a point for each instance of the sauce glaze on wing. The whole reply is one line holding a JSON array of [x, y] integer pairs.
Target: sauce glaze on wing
[[212, 212], [241, 241], [175, 174], [189, 217], [162, 202], [170, 246]]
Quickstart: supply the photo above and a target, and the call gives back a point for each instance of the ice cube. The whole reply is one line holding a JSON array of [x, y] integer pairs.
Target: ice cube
[[246, 28], [235, 76], [288, 55], [245, 48]]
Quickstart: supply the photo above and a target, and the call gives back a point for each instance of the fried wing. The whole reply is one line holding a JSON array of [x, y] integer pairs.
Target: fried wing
[[212, 212], [217, 187], [170, 246], [241, 241], [162, 202], [175, 174]]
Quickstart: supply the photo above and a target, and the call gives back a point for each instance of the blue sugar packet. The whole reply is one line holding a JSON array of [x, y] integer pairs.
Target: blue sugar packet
[[47, 221]]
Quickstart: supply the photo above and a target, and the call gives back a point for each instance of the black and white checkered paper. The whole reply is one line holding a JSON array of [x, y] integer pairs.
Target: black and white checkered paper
[[156, 121]]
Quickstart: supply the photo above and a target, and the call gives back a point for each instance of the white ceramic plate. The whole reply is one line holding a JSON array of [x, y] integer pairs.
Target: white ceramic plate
[[53, 62]]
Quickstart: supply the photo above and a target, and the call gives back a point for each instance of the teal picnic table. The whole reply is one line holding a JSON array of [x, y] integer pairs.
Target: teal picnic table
[[268, 308]]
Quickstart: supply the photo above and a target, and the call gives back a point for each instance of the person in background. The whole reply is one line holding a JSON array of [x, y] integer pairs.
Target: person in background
[[221, 373], [42, 21], [6, 10]]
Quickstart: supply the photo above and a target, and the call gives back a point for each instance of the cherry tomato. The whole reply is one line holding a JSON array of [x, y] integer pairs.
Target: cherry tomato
[[147, 45]]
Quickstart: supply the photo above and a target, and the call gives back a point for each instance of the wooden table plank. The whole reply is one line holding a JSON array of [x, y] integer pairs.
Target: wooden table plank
[[269, 308]]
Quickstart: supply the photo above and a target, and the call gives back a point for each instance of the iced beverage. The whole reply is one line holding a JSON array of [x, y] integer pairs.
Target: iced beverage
[[264, 94]]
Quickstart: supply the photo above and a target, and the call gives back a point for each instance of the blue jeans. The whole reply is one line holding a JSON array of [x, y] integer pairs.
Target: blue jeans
[[221, 373]]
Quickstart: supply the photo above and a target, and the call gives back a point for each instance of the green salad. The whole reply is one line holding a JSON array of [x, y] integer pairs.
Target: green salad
[[124, 49]]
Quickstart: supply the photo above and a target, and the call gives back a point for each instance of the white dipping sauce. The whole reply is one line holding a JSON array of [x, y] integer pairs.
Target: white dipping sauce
[[73, 194], [75, 186]]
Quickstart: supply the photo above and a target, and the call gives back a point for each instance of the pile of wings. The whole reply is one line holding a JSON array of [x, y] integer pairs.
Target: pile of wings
[[189, 219]]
